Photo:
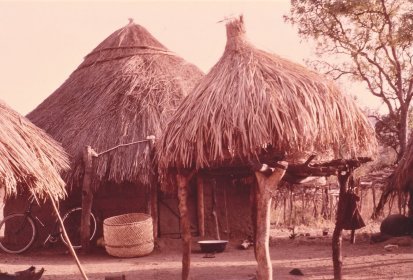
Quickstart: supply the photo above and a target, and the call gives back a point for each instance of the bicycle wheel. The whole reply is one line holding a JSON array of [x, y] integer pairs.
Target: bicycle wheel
[[17, 233], [72, 222]]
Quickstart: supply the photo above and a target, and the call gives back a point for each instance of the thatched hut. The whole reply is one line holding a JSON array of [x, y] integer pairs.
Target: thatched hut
[[30, 164], [254, 106], [30, 159], [125, 90]]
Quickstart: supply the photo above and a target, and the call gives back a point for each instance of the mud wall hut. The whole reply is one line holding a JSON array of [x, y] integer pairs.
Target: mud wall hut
[[123, 92]]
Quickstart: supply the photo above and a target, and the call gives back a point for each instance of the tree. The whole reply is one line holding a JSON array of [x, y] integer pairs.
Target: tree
[[368, 41]]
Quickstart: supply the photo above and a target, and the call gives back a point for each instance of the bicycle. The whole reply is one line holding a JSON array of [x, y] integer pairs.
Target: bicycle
[[20, 230]]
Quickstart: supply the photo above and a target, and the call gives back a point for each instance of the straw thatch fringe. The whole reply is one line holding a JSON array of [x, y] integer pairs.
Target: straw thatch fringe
[[29, 158], [125, 90], [251, 99]]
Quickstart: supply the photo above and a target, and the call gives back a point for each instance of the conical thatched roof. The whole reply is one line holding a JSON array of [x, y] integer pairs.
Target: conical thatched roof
[[29, 158], [125, 90], [251, 99]]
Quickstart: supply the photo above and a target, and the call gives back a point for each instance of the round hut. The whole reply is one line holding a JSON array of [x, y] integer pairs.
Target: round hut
[[116, 102], [30, 163], [252, 108]]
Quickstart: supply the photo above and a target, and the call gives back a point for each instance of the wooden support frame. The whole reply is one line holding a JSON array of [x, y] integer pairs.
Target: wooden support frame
[[266, 186]]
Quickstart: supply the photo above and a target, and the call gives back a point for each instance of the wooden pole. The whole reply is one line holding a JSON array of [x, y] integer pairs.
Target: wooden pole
[[265, 188], [183, 184], [71, 250], [87, 199], [154, 209], [214, 209], [343, 179], [200, 204]]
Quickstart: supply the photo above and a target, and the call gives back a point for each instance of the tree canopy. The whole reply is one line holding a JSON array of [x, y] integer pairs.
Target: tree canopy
[[369, 41]]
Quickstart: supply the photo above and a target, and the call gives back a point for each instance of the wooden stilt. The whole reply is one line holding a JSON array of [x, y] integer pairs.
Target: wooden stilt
[[201, 207], [154, 209], [343, 179], [353, 236], [214, 209], [253, 202], [87, 199], [265, 188], [183, 184]]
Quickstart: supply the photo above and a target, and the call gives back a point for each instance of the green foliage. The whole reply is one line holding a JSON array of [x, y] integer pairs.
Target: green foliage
[[369, 41]]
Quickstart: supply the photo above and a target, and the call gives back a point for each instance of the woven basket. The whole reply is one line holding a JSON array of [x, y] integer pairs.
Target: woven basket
[[129, 235]]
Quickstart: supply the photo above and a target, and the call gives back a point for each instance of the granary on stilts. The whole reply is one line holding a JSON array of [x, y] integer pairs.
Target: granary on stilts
[[255, 111], [107, 114]]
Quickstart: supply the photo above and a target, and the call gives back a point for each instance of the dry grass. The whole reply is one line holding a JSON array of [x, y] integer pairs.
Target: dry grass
[[126, 89], [29, 158], [251, 99]]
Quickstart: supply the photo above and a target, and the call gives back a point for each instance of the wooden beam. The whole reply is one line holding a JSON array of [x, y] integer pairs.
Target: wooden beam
[[266, 186], [201, 206], [87, 199]]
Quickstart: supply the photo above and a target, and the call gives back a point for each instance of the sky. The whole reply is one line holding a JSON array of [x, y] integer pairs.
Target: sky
[[43, 42]]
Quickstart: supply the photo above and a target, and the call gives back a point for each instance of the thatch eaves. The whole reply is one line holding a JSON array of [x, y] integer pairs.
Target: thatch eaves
[[29, 158], [126, 89], [252, 99]]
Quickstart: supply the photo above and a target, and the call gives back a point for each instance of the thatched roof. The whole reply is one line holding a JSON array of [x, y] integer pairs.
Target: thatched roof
[[125, 89], [251, 99], [29, 158]]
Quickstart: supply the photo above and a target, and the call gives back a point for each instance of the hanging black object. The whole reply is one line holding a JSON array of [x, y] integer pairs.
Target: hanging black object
[[351, 219]]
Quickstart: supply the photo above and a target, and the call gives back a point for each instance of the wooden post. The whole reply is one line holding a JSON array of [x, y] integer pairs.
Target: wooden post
[[214, 209], [201, 207], [154, 209], [87, 199], [353, 236], [343, 179], [183, 184], [265, 188]]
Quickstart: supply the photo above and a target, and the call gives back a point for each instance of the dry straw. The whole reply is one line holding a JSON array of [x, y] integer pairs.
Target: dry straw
[[126, 89], [252, 98], [29, 158]]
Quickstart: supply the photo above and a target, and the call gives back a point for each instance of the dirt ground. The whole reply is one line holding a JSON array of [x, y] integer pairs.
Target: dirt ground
[[311, 254]]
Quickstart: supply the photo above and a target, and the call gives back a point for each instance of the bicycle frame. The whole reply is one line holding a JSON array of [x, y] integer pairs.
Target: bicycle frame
[[53, 236]]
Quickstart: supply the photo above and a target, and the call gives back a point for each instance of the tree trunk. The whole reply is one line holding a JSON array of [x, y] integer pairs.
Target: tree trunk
[[87, 199], [183, 184], [404, 113], [265, 189], [337, 239]]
